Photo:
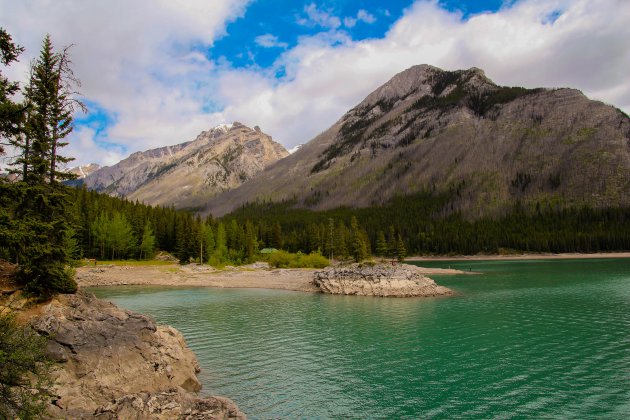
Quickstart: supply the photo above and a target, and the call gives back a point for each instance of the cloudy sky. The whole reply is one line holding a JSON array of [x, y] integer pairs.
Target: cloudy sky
[[158, 72]]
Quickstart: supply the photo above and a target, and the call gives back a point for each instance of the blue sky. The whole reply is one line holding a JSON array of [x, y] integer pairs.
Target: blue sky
[[262, 34], [159, 72]]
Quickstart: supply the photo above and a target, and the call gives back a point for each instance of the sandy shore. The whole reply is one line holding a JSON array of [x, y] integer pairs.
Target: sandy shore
[[567, 256], [205, 276]]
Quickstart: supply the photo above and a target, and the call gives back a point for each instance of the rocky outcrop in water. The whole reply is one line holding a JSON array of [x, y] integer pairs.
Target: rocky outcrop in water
[[377, 280], [120, 364]]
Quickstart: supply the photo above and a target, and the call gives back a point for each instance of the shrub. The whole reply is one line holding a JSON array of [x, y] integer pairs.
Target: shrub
[[283, 259], [24, 376]]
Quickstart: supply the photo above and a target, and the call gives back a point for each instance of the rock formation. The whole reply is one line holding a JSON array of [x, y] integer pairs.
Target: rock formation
[[120, 364], [459, 134], [384, 280], [188, 174]]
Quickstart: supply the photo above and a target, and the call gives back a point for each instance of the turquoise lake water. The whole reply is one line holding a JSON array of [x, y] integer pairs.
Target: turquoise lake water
[[534, 339]]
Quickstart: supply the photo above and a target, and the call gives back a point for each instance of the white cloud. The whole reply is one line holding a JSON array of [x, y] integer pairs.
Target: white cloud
[[85, 144], [327, 74], [362, 16], [365, 16], [270, 41], [349, 22], [318, 17], [134, 59]]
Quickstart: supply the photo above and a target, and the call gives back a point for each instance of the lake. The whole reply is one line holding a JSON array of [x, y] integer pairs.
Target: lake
[[544, 339]]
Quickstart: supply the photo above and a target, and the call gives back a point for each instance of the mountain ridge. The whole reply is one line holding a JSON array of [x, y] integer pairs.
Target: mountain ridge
[[455, 132], [186, 174]]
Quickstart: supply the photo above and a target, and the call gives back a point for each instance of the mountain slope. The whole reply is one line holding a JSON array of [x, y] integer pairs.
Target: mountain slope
[[457, 133], [188, 174]]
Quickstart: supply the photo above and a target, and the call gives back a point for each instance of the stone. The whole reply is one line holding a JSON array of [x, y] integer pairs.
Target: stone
[[120, 364], [170, 404]]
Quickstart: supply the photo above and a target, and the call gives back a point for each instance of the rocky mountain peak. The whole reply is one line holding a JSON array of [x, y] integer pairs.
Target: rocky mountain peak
[[423, 80], [186, 174], [459, 134]]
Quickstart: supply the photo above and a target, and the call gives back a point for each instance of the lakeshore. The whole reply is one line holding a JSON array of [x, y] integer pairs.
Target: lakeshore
[[526, 256], [371, 358], [253, 276]]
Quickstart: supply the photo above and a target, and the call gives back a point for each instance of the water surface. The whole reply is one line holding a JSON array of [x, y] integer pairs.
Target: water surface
[[545, 339]]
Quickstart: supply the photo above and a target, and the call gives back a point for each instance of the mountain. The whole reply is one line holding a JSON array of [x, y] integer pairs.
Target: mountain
[[188, 174], [456, 133], [82, 171]]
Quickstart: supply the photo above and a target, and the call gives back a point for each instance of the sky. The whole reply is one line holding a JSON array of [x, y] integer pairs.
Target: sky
[[158, 72]]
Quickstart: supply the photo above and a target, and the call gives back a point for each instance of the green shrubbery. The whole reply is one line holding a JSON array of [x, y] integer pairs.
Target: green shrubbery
[[284, 259], [25, 372]]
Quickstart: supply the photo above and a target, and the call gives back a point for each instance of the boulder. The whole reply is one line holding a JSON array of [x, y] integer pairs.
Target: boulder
[[109, 360]]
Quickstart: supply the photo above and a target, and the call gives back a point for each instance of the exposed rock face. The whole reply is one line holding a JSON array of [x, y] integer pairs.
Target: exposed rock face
[[456, 133], [171, 404], [187, 174], [113, 362], [379, 280], [82, 171]]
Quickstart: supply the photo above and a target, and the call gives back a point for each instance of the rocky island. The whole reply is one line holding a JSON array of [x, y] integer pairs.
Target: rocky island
[[384, 280]]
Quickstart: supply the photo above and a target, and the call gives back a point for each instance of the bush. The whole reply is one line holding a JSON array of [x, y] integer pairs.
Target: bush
[[24, 376], [283, 259]]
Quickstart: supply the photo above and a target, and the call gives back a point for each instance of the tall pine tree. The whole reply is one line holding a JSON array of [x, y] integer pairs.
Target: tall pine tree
[[40, 214]]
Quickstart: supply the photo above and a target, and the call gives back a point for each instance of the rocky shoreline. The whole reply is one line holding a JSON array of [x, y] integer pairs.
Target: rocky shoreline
[[383, 280], [112, 363]]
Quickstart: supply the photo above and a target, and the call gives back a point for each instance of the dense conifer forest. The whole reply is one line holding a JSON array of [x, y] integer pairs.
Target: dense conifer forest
[[420, 222]]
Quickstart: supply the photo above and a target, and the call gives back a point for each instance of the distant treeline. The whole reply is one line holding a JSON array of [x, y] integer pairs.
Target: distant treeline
[[107, 227], [418, 221]]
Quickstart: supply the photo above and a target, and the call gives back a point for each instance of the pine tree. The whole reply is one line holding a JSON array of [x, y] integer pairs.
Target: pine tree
[[51, 104], [99, 228], [41, 212], [11, 113], [401, 251], [209, 243], [147, 244], [251, 242], [277, 236], [381, 244], [220, 252], [120, 236], [392, 243], [341, 241], [182, 239], [359, 245]]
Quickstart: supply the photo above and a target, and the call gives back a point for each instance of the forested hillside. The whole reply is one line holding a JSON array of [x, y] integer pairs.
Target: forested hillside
[[423, 226]]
